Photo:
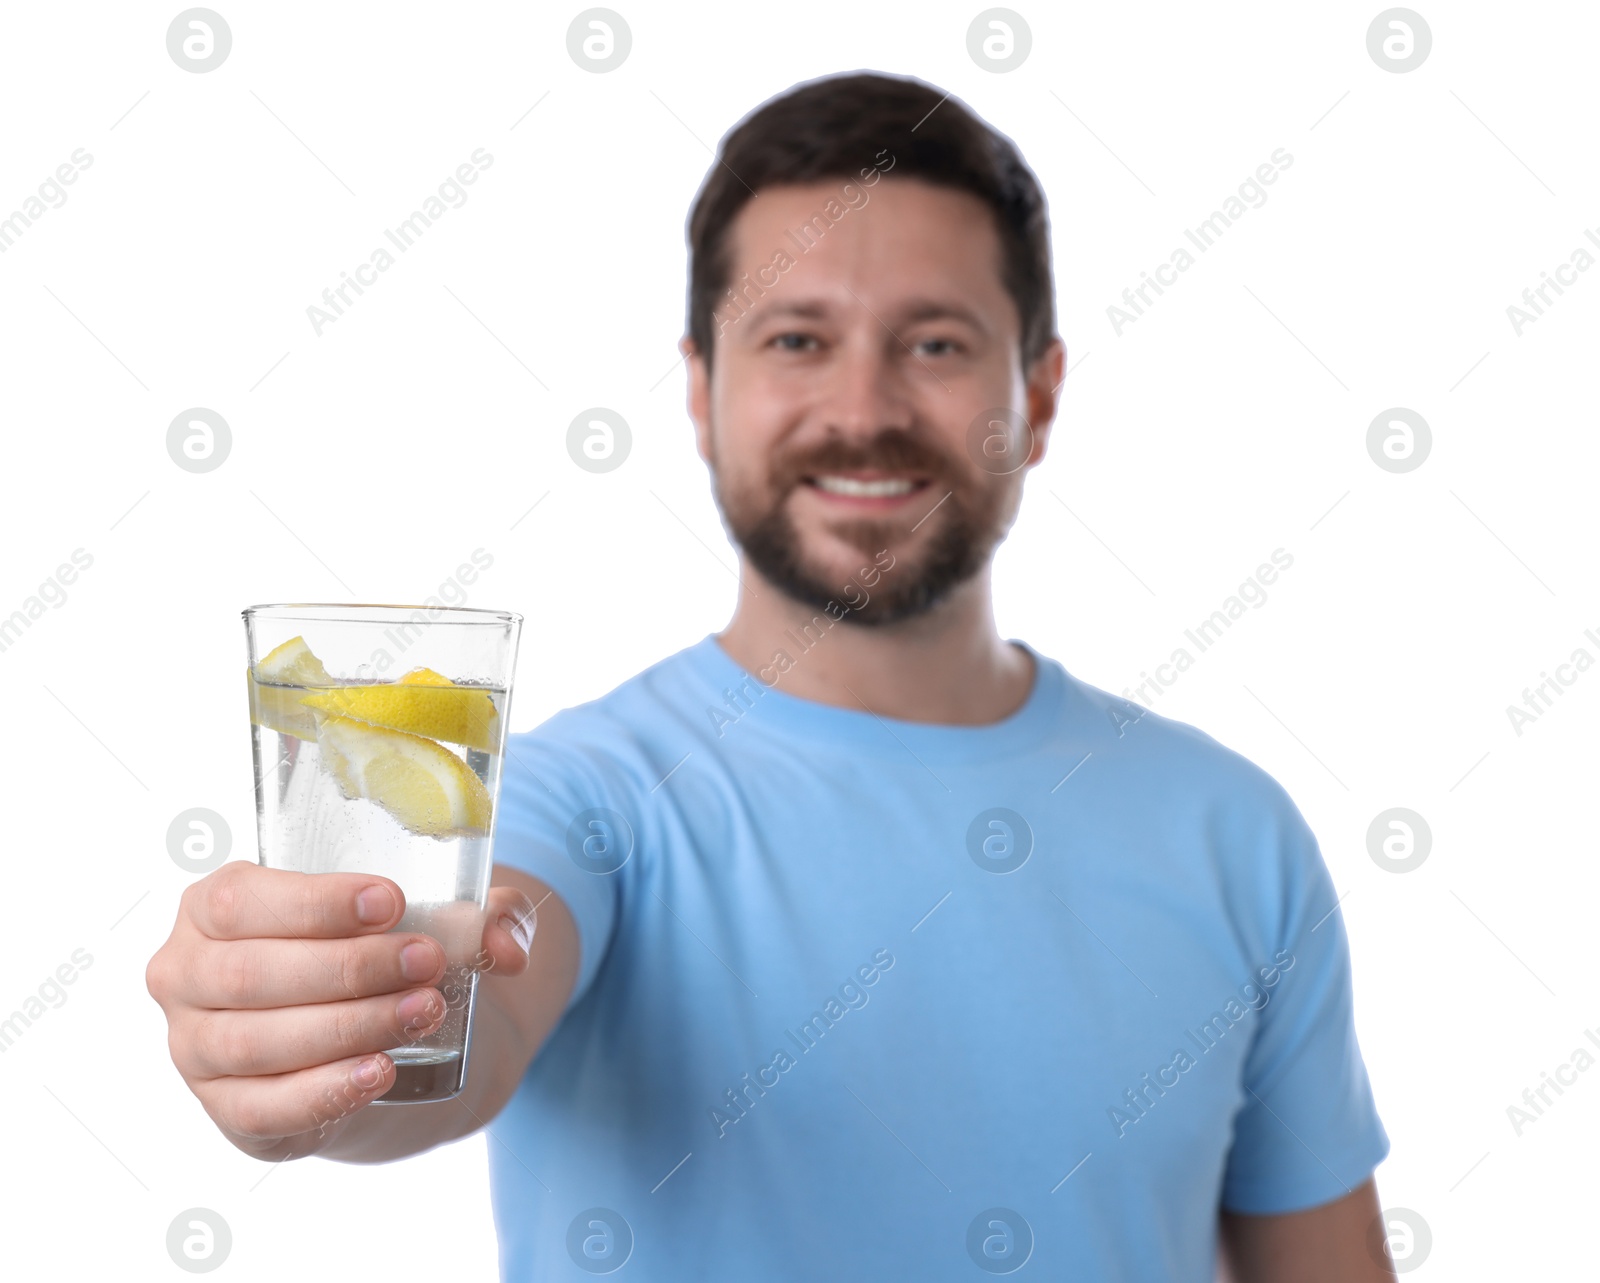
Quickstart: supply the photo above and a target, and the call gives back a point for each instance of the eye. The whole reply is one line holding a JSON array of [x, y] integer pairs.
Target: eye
[[781, 341], [948, 346]]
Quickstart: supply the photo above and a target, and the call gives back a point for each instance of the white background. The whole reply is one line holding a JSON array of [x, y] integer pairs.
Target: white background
[[368, 462]]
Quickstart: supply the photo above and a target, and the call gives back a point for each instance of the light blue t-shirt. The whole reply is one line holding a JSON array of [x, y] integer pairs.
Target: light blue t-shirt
[[862, 998]]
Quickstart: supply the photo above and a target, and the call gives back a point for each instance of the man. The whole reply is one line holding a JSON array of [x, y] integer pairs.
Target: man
[[870, 945]]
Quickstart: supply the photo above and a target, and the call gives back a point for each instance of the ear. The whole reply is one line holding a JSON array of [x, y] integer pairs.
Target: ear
[[699, 396], [1043, 388]]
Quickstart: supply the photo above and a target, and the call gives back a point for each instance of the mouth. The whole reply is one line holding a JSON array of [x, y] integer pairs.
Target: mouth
[[876, 491]]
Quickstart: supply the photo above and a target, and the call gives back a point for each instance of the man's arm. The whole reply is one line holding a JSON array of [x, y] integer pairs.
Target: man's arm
[[512, 1018], [1325, 1244]]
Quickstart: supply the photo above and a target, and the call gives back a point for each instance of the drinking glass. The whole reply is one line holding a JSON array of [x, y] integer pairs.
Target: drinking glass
[[378, 732]]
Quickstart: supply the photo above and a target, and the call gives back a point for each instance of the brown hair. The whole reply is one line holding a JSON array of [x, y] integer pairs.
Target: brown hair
[[835, 127]]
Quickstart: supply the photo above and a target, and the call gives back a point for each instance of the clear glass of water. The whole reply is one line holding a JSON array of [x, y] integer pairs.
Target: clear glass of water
[[378, 734]]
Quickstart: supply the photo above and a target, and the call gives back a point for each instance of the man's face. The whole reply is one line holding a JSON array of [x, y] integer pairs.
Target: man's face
[[838, 416]]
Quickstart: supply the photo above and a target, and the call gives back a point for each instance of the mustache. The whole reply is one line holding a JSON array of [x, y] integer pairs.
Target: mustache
[[892, 450]]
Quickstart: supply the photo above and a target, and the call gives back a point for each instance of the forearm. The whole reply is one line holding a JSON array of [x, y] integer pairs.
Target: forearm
[[1325, 1244]]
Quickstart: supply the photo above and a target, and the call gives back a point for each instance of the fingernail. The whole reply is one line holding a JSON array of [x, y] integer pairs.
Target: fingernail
[[520, 928], [418, 1008], [418, 961], [375, 904], [368, 1074]]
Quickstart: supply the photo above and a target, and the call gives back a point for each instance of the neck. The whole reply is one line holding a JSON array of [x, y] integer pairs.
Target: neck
[[948, 665]]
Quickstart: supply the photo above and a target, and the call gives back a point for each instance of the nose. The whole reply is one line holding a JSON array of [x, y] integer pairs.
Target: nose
[[867, 384]]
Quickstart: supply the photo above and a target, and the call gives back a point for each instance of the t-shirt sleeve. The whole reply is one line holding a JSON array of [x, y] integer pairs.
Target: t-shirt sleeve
[[1308, 1131], [554, 801]]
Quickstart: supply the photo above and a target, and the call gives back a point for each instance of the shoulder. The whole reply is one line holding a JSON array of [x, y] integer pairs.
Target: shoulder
[[1212, 810], [1172, 762]]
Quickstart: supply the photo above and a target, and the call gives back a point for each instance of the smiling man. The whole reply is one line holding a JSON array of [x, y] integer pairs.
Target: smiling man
[[871, 945]]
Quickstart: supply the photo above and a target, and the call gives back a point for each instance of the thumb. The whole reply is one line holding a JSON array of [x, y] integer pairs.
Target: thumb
[[508, 930]]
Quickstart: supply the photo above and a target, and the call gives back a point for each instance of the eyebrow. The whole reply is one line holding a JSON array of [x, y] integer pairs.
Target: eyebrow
[[915, 311]]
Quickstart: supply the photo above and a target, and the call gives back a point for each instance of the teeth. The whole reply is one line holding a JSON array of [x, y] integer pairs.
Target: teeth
[[865, 489]]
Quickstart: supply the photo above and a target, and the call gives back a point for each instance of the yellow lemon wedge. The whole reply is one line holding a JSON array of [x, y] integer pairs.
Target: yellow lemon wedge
[[292, 664], [420, 703], [430, 790], [277, 687]]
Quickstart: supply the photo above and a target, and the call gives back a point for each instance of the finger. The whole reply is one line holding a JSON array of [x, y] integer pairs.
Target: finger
[[509, 926], [291, 1104], [222, 1044], [241, 901], [255, 974]]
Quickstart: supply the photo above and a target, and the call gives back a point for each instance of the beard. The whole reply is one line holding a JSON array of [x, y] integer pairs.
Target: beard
[[970, 523]]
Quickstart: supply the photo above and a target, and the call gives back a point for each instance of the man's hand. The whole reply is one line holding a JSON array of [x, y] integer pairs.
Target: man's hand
[[1326, 1244], [282, 990]]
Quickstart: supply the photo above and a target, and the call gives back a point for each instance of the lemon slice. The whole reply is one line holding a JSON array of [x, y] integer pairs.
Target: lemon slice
[[292, 664], [430, 790], [277, 687], [421, 703]]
